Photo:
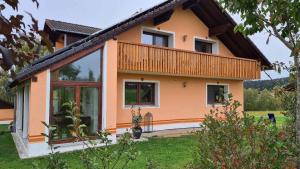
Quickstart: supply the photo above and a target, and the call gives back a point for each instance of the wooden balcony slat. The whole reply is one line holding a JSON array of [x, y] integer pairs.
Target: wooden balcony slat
[[140, 58]]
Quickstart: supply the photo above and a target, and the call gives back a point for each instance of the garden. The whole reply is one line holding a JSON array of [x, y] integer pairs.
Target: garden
[[165, 152]]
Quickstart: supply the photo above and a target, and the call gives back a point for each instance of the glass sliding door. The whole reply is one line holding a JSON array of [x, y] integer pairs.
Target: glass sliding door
[[79, 81]]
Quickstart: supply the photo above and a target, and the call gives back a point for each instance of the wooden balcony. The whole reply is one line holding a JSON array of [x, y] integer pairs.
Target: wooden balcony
[[147, 59]]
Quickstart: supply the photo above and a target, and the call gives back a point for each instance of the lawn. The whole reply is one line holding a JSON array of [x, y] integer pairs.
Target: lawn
[[167, 152], [278, 115]]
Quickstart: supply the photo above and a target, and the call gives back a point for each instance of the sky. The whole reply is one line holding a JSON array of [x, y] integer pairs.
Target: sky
[[104, 13]]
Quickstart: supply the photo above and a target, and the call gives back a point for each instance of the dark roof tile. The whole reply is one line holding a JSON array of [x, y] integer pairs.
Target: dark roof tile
[[70, 27]]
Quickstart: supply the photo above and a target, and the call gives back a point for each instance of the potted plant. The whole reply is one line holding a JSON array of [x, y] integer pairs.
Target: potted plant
[[136, 123]]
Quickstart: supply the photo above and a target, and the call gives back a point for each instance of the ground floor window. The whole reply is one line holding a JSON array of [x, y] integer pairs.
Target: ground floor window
[[216, 94], [80, 82], [139, 93], [88, 103]]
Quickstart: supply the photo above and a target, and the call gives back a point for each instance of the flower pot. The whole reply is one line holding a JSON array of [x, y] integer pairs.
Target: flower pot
[[137, 132]]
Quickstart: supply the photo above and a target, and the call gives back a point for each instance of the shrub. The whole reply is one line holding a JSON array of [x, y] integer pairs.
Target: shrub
[[256, 100], [93, 157], [233, 139]]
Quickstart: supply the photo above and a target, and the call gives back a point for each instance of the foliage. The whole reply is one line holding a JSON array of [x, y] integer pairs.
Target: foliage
[[279, 18], [288, 103], [136, 118], [104, 157], [55, 160], [72, 112], [6, 93], [231, 139], [261, 100], [16, 33], [289, 100], [266, 84]]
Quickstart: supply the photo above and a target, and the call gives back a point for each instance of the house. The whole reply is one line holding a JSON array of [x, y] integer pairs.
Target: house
[[62, 34], [175, 60], [6, 112]]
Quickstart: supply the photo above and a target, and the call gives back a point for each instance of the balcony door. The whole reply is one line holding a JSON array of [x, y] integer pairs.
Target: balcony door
[[81, 83]]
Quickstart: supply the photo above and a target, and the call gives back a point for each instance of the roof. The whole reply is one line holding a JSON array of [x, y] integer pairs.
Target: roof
[[5, 105], [66, 27], [209, 12]]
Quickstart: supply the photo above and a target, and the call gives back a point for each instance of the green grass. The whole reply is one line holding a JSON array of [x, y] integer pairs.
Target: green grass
[[167, 152], [278, 115]]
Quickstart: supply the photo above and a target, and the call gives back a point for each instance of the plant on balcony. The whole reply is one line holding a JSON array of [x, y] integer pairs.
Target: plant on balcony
[[136, 123]]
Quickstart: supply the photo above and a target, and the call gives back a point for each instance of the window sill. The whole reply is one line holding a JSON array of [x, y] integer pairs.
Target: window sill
[[215, 105], [141, 106]]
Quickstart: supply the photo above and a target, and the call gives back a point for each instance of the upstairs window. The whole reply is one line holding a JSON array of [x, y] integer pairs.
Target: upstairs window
[[139, 93], [216, 94], [204, 47], [155, 39]]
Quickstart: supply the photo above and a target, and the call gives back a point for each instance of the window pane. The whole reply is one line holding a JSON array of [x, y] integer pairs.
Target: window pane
[[155, 39], [147, 93], [85, 69], [147, 39], [61, 95], [161, 41], [131, 91], [89, 104], [216, 94], [203, 47]]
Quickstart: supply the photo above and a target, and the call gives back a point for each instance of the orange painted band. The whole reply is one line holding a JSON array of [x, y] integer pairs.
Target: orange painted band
[[36, 138], [173, 121], [6, 119], [112, 130]]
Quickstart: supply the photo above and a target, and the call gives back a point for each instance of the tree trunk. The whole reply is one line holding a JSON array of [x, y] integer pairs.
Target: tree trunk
[[296, 62]]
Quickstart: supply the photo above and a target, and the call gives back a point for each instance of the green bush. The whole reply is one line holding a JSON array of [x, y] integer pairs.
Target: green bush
[[232, 139], [264, 100]]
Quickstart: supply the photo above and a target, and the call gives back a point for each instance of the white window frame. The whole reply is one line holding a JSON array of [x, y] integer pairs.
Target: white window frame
[[215, 84], [23, 108], [157, 94], [215, 44], [171, 35]]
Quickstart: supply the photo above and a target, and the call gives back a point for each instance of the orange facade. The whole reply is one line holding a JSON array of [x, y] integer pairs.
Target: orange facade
[[185, 26], [38, 107], [177, 104], [6, 115], [181, 99]]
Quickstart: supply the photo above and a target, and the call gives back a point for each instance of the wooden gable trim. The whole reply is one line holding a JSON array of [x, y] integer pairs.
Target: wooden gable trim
[[189, 4], [163, 17], [220, 29]]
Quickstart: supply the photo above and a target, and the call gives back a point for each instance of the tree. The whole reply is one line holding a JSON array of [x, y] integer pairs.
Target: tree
[[7, 93], [281, 19], [15, 33]]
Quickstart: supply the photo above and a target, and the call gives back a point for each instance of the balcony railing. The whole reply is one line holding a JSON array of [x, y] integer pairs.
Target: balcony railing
[[140, 58]]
